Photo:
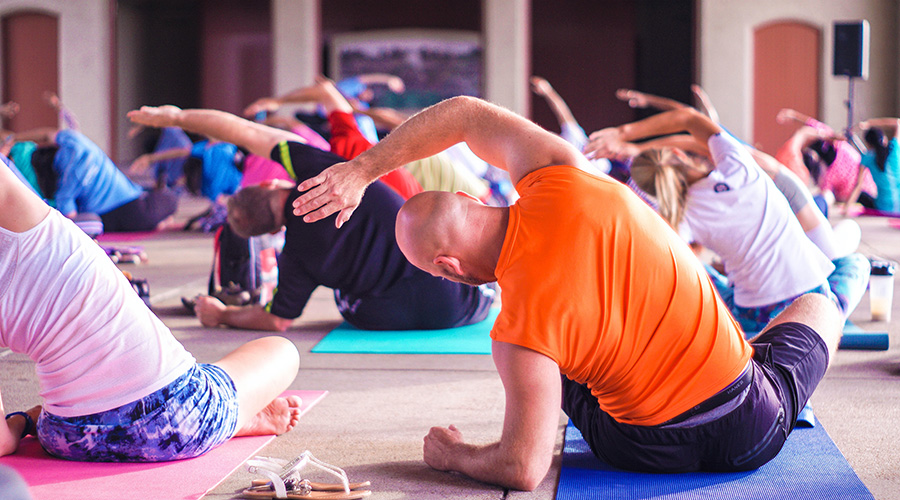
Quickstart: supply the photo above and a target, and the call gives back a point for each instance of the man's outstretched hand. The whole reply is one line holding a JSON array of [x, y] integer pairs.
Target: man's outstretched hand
[[157, 117], [339, 188]]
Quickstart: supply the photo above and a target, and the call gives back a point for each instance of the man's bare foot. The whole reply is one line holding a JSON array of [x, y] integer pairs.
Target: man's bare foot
[[168, 224], [279, 417]]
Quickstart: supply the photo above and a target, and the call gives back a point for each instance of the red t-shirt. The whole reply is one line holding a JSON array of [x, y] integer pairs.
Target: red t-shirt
[[348, 141]]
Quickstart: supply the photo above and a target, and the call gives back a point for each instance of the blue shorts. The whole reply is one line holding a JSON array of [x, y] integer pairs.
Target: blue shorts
[[187, 418], [788, 362]]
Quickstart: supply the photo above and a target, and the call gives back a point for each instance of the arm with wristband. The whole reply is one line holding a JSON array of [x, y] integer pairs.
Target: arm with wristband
[[16, 426]]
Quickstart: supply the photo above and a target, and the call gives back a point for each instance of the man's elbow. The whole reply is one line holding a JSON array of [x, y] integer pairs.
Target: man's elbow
[[528, 475]]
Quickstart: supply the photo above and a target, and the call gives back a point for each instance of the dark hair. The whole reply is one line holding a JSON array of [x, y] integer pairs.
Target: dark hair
[[193, 174], [875, 140], [250, 213], [241, 159], [826, 151], [42, 162], [814, 163]]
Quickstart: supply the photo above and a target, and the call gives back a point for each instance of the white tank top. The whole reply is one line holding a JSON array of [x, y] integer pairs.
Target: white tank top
[[64, 303]]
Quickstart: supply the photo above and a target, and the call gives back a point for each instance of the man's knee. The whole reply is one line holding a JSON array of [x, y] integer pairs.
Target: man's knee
[[818, 312]]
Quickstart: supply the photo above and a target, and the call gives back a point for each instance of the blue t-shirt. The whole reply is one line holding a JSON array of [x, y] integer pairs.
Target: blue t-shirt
[[220, 175], [20, 155], [172, 169], [888, 180], [88, 181], [12, 166], [362, 258]]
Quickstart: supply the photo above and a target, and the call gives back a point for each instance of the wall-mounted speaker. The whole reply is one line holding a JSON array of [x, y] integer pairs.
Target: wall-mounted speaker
[[851, 49]]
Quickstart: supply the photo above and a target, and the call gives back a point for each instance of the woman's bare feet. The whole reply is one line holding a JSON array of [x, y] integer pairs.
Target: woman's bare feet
[[279, 417]]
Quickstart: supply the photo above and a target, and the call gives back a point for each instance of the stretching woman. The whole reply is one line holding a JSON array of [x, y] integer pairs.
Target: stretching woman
[[116, 384], [732, 207], [882, 136]]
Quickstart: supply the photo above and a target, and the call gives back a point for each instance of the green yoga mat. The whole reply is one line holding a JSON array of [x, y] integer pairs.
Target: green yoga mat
[[469, 339]]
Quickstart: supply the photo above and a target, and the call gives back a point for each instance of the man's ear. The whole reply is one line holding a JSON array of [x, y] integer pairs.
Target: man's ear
[[469, 196], [448, 262]]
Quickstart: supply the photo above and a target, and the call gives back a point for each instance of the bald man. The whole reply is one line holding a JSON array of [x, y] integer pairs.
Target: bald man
[[375, 287], [596, 287]]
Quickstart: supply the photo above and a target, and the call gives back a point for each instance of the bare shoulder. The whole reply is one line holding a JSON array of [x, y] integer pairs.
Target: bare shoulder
[[22, 208]]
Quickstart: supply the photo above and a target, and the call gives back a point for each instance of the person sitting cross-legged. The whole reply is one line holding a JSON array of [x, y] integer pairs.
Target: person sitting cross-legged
[[116, 384]]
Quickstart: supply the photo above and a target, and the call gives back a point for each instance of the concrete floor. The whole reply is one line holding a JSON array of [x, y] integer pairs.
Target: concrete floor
[[379, 407]]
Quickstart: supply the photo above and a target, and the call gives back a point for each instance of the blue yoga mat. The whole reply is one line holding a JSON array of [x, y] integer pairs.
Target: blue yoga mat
[[855, 338], [469, 339], [809, 466]]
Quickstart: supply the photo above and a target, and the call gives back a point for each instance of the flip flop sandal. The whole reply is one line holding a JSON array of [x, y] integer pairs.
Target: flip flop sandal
[[297, 494], [317, 486], [285, 480]]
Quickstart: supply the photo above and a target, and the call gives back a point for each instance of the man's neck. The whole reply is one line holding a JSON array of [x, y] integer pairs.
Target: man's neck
[[493, 223]]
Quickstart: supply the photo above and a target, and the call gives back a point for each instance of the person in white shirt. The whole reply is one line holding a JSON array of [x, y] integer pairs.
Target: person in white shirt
[[735, 209], [116, 384]]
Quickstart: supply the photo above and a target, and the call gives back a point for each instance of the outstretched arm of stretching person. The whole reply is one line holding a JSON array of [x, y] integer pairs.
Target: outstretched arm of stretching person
[[22, 210], [890, 125], [498, 136], [212, 312], [542, 87], [521, 458], [321, 92], [638, 99], [609, 140], [787, 114], [141, 163], [255, 137], [43, 136], [12, 428]]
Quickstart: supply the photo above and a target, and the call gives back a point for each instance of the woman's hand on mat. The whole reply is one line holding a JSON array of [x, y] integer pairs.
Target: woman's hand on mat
[[339, 188], [209, 310], [440, 445]]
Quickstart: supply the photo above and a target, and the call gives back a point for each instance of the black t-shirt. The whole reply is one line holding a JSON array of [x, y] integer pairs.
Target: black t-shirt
[[361, 258]]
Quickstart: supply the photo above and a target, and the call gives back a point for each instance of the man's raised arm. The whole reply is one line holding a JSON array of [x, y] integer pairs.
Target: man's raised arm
[[498, 136], [257, 138]]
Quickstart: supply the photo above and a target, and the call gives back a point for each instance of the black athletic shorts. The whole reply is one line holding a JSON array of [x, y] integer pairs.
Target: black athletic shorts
[[788, 362], [417, 302]]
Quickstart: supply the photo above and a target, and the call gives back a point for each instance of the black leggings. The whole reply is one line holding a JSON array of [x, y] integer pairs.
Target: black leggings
[[142, 214]]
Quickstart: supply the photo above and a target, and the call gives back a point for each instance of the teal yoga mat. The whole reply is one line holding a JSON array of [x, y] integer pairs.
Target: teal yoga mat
[[809, 466], [470, 339]]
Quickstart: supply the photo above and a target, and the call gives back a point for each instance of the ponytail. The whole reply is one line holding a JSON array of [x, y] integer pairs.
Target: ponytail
[[659, 173], [875, 139]]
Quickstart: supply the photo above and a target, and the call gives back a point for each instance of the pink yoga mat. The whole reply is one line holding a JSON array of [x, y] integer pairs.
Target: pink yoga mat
[[51, 478], [125, 237]]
